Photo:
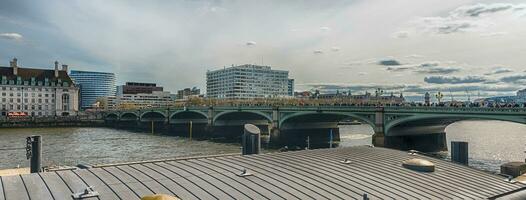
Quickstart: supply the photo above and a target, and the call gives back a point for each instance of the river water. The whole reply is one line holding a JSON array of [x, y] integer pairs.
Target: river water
[[491, 143]]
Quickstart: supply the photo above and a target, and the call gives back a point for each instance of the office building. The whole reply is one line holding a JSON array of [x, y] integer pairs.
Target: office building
[[93, 85], [187, 92], [136, 88], [155, 99], [291, 87], [37, 92], [247, 82]]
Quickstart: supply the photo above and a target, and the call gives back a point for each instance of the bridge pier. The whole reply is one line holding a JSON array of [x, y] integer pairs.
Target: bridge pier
[[379, 129]]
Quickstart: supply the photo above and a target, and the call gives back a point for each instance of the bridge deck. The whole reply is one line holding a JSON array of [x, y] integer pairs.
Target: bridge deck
[[315, 174]]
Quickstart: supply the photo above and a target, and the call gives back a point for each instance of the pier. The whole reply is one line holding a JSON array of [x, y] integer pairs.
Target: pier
[[341, 173]]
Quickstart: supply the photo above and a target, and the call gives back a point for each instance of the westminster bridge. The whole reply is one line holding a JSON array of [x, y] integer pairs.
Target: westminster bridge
[[420, 128]]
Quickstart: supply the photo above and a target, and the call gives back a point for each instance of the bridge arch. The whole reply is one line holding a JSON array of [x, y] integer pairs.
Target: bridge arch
[[188, 114], [129, 116], [332, 116], [112, 116], [153, 116], [439, 122], [253, 113]]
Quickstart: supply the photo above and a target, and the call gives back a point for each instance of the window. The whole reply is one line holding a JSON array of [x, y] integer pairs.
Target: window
[[65, 101]]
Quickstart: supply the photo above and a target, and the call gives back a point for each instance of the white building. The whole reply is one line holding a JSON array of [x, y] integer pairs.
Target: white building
[[37, 92], [156, 99], [247, 82]]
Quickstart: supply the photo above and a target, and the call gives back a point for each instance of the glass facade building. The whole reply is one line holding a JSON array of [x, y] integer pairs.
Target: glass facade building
[[93, 85], [247, 82]]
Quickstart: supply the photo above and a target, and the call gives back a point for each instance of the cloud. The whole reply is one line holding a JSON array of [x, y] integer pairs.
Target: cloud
[[414, 56], [362, 73], [493, 34], [482, 9], [324, 28], [469, 18], [401, 34], [438, 70], [519, 78], [318, 52], [11, 36], [250, 43], [399, 68], [499, 70], [429, 64], [454, 79], [389, 62], [335, 49]]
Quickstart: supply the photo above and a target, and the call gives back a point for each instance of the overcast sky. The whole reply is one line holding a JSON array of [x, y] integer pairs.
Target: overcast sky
[[462, 46]]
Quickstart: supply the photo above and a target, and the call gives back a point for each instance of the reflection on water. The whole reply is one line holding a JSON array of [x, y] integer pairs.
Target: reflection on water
[[70, 146], [491, 143]]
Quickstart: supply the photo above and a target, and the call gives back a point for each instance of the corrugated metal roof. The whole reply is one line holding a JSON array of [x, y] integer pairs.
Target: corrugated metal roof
[[313, 174]]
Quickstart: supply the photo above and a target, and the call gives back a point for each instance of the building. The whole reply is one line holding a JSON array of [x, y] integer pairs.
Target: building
[[291, 87], [247, 82], [136, 88], [37, 92], [155, 99], [93, 85], [521, 93], [187, 92]]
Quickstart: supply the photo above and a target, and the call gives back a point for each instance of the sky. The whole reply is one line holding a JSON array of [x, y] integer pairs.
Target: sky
[[462, 48]]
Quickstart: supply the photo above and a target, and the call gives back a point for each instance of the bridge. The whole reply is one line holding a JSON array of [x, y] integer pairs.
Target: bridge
[[420, 128]]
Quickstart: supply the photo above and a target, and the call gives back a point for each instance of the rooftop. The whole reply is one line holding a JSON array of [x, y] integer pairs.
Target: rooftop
[[310, 174], [39, 74]]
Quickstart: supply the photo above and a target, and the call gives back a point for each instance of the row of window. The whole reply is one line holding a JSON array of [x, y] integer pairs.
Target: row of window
[[18, 100]]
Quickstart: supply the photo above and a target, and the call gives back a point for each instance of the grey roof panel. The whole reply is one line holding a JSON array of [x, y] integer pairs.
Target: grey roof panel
[[312, 174], [130, 182], [37, 187], [153, 186], [2, 197], [14, 188], [104, 191], [122, 190], [56, 186]]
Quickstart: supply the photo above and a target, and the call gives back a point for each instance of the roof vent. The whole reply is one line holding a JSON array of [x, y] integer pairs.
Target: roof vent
[[244, 173], [346, 161], [419, 164], [88, 192]]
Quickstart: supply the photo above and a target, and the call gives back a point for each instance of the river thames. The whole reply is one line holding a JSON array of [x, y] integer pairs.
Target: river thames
[[491, 143]]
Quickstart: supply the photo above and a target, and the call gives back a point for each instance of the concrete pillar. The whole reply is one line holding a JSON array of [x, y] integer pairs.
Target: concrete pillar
[[379, 128], [274, 126], [210, 116]]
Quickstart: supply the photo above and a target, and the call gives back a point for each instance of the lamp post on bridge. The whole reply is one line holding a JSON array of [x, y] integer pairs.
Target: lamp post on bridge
[[439, 97]]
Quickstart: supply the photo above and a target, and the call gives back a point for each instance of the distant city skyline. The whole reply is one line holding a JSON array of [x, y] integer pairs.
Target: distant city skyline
[[458, 47]]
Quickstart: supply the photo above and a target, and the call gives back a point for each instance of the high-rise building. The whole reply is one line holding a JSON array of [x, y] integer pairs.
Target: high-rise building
[[37, 92], [247, 82], [136, 88], [187, 92], [93, 85], [291, 87]]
